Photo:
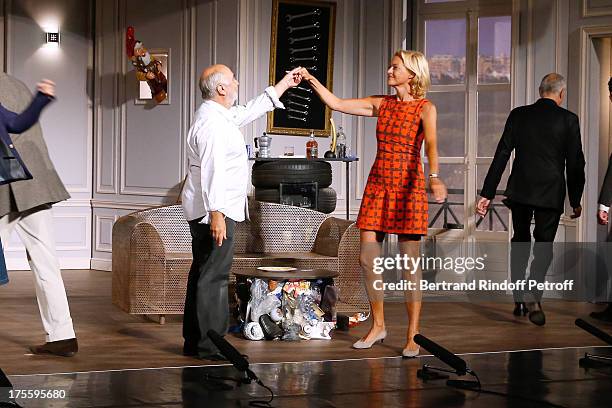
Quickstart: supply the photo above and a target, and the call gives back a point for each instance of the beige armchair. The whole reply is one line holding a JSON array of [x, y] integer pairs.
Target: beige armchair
[[152, 254]]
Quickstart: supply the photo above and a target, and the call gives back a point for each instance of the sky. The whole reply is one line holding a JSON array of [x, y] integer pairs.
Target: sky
[[447, 37]]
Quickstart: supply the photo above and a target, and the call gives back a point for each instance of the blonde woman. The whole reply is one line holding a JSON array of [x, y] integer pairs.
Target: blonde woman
[[395, 200]]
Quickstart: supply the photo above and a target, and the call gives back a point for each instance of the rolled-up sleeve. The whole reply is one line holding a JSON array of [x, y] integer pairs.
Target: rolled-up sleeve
[[268, 101], [213, 175]]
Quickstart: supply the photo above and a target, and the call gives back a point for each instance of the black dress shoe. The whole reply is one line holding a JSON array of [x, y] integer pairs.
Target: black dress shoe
[[536, 314], [520, 309], [190, 352], [605, 315], [63, 348], [213, 357]]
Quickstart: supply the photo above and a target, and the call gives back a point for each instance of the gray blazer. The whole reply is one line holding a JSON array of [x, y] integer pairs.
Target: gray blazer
[[46, 186]]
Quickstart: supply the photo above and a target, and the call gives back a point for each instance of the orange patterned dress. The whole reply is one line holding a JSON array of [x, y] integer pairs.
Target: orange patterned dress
[[395, 200]]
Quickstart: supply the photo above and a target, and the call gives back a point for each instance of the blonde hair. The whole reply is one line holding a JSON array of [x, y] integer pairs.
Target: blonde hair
[[416, 63]]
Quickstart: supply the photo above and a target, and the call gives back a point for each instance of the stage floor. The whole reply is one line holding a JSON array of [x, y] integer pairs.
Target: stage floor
[[509, 379], [109, 339]]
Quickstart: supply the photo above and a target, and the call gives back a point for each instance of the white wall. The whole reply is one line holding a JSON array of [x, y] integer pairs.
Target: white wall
[[139, 158], [66, 123], [119, 156], [551, 34]]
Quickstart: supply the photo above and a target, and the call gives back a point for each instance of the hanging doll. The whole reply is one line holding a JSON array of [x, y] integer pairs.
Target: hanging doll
[[147, 67]]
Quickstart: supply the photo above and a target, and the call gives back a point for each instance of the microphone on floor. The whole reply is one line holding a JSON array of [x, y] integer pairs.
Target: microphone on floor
[[450, 359], [231, 354], [458, 365], [600, 334], [594, 360], [241, 364]]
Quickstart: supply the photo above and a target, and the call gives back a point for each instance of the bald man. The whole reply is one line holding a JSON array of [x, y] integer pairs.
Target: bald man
[[546, 141], [215, 198]]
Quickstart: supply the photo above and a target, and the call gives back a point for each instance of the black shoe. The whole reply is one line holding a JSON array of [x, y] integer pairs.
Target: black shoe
[[520, 309], [536, 314], [605, 315], [190, 352], [213, 357]]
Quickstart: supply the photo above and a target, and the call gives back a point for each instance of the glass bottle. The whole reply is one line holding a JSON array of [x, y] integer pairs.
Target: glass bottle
[[312, 147], [341, 144]]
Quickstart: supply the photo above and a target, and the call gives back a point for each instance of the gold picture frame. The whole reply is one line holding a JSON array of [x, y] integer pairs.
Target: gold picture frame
[[303, 33]]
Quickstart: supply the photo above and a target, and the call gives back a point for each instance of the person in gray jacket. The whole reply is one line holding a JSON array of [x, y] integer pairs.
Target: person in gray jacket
[[25, 207]]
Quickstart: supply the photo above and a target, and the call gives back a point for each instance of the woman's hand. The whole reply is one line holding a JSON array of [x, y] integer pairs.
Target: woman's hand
[[438, 189], [305, 74], [46, 86]]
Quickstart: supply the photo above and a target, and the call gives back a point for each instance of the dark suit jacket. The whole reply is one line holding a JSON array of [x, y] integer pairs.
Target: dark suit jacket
[[605, 196], [546, 139]]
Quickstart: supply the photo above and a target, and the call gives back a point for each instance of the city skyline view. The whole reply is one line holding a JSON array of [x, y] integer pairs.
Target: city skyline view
[[445, 47]]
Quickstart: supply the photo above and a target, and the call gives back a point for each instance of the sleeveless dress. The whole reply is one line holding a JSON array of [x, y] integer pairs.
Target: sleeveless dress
[[394, 200]]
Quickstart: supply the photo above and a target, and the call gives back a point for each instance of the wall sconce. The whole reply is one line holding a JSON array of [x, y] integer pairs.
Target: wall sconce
[[52, 38]]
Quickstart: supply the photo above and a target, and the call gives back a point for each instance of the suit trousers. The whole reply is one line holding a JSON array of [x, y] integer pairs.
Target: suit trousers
[[546, 224], [207, 303], [35, 229]]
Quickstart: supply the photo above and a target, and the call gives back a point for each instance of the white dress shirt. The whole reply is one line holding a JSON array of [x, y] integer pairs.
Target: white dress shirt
[[218, 171], [603, 207]]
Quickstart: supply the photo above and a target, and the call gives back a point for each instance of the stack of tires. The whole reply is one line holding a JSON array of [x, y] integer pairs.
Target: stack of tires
[[268, 175]]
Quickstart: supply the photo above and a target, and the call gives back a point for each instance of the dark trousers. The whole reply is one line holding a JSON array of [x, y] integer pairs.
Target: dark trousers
[[546, 224], [206, 304]]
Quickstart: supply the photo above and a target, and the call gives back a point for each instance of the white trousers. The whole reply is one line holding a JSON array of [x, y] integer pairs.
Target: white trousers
[[35, 229]]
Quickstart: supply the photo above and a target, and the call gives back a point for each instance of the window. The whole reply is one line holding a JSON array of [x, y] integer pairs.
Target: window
[[469, 49]]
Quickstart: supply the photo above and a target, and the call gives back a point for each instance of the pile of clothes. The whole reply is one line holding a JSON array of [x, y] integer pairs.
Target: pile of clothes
[[287, 310]]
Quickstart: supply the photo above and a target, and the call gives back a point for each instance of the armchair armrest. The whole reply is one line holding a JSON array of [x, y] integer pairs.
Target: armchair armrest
[[329, 236], [353, 296], [138, 260]]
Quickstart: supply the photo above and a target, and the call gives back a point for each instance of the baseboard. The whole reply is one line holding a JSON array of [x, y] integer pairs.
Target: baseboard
[[21, 264], [102, 264]]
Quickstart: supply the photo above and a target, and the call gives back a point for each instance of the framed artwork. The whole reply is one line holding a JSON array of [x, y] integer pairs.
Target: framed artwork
[[144, 90], [302, 35]]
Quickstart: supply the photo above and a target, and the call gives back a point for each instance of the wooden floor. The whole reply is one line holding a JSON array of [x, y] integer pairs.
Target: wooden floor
[[110, 339], [525, 379]]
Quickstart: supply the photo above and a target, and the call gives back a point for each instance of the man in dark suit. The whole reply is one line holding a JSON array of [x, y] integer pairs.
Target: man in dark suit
[[605, 200], [546, 141]]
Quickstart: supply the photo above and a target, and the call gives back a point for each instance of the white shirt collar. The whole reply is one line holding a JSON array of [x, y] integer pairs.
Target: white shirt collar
[[219, 108]]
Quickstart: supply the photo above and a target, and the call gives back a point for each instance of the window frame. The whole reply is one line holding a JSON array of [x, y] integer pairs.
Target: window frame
[[470, 11]]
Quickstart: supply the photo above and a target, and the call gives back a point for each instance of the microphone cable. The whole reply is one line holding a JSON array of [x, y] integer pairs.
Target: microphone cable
[[262, 403], [461, 368], [241, 364]]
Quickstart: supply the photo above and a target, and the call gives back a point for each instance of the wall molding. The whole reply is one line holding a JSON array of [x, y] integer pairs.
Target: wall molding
[[530, 91], [105, 265], [114, 114], [359, 176], [86, 222], [7, 35], [586, 36], [122, 205], [98, 222], [595, 11], [185, 55], [74, 202]]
